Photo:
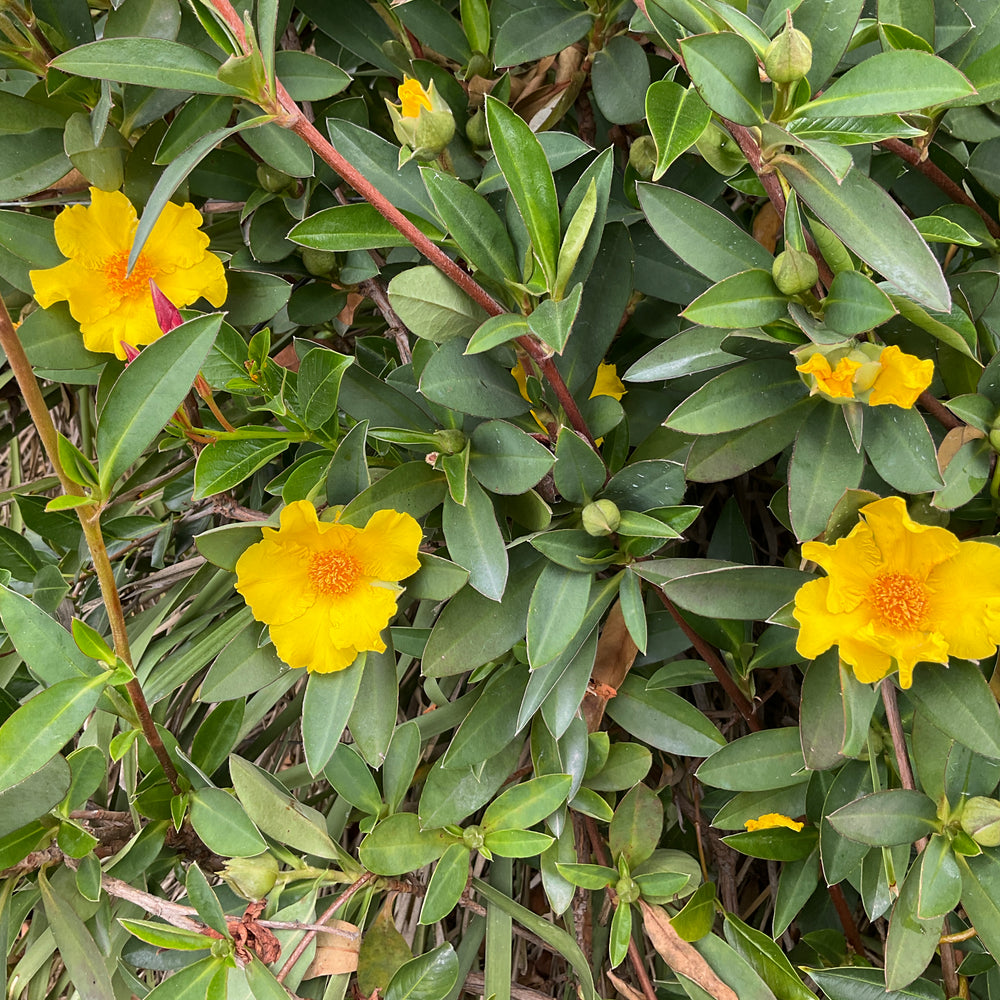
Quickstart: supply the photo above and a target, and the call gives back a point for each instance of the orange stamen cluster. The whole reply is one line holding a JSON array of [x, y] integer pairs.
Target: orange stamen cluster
[[333, 573], [899, 601]]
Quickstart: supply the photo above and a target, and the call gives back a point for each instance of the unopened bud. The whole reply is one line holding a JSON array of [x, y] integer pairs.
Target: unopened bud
[[274, 181], [320, 263], [794, 271], [981, 820], [252, 878], [476, 131], [450, 440], [600, 518], [627, 890], [789, 56], [642, 156], [473, 837]]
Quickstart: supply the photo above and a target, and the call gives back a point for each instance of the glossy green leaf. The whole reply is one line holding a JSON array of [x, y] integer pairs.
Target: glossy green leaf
[[619, 77], [307, 77], [890, 82], [911, 941], [856, 304], [855, 983], [474, 384], [981, 896], [325, 710], [723, 66], [40, 727], [864, 216], [447, 883], [34, 795], [771, 758], [225, 464], [749, 298], [147, 393], [535, 32], [527, 803], [149, 62], [556, 612], [433, 306], [766, 959], [506, 460], [475, 542], [355, 227], [522, 161], [635, 830], [677, 116], [895, 816], [778, 844]]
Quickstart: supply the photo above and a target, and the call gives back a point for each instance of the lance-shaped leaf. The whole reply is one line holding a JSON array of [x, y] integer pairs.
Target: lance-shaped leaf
[[677, 116]]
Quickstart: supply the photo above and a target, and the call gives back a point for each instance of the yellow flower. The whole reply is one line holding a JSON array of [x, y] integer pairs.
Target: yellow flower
[[325, 589], [835, 382], [771, 820], [902, 378], [898, 593], [412, 97], [110, 306], [607, 382]]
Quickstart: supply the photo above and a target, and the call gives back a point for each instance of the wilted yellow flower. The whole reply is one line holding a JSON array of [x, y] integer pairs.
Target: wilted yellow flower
[[109, 305], [412, 97], [836, 382], [771, 820], [607, 382], [869, 373], [903, 377], [898, 593], [327, 590]]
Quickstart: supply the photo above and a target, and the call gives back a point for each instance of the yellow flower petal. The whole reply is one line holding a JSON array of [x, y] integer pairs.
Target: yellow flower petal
[[606, 382], [327, 590], [412, 98], [837, 383], [92, 233], [175, 240], [899, 593], [770, 821], [902, 379]]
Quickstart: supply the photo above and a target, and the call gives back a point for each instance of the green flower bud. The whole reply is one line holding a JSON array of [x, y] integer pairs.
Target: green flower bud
[[642, 156], [981, 820], [274, 181], [450, 440], [789, 56], [476, 132], [320, 263], [473, 838], [479, 65], [252, 878], [627, 890], [601, 518], [794, 271]]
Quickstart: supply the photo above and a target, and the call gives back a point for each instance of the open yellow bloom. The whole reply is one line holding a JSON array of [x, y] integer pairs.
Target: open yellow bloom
[[771, 820], [412, 97], [902, 378], [109, 305], [325, 589], [898, 592], [836, 382]]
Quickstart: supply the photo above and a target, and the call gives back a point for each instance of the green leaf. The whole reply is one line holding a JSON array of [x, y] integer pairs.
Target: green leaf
[[307, 77], [398, 845], [981, 896], [223, 826], [856, 304], [758, 762], [351, 779], [506, 460], [165, 936], [355, 227], [30, 163], [522, 161], [911, 941], [412, 488], [193, 982], [433, 306], [739, 397], [853, 983], [475, 227], [895, 816], [621, 933], [635, 830], [517, 843], [579, 471], [824, 463], [277, 814], [677, 116], [474, 384], [940, 880], [35, 795], [716, 589], [430, 976], [890, 82], [225, 464], [325, 710], [527, 803], [900, 448], [620, 77], [148, 62], [766, 959], [663, 720], [83, 958], [475, 541], [451, 874], [492, 722], [556, 612], [702, 237], [538, 31], [552, 321], [778, 844], [723, 66], [147, 393], [864, 216], [498, 330], [37, 730], [204, 900], [749, 298], [960, 703]]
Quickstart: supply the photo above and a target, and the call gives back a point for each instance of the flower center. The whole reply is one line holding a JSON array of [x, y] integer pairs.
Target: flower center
[[134, 284], [333, 573], [899, 600]]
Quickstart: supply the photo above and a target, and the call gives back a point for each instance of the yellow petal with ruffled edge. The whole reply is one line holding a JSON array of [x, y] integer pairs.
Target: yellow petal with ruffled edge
[[91, 233], [902, 379], [387, 546], [412, 97], [770, 821]]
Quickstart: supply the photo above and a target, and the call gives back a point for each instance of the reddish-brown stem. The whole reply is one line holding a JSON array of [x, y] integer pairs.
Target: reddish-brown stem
[[937, 176], [748, 146], [939, 411], [716, 665], [846, 919], [902, 755], [327, 914]]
